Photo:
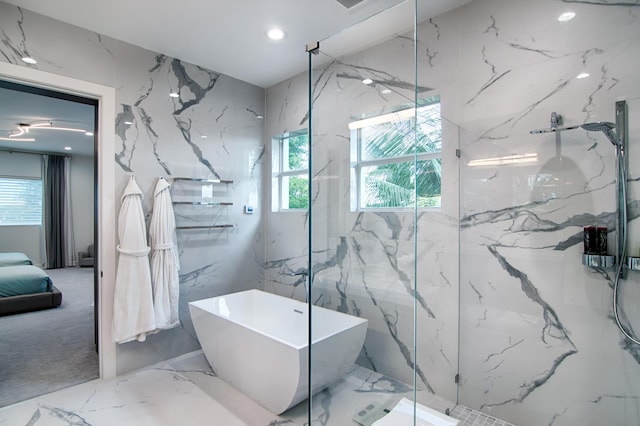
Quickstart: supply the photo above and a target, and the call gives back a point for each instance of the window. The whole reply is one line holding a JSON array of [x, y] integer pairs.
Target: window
[[20, 201], [382, 158], [290, 165]]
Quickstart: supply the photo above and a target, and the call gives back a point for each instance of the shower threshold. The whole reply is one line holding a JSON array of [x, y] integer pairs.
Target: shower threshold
[[403, 415]]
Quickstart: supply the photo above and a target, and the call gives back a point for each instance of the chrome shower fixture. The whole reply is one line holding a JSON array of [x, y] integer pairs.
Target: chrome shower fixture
[[604, 127], [600, 126], [555, 125], [554, 129], [617, 133]]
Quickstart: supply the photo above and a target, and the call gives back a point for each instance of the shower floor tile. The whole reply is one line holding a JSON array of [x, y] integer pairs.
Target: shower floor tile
[[185, 391]]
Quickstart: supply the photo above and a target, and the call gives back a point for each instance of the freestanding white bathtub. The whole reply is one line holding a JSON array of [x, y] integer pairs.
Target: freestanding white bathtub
[[257, 342]]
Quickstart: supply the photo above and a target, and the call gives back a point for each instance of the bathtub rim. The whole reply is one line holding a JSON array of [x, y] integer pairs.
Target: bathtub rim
[[357, 321]]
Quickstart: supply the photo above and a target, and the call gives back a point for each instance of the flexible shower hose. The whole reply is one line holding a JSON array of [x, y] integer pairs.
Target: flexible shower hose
[[623, 225]]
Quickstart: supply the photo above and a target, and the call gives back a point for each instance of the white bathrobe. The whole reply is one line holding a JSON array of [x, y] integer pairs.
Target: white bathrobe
[[165, 263], [133, 316]]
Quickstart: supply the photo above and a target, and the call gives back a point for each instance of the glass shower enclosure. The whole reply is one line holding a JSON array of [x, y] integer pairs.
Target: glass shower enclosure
[[383, 221], [440, 219]]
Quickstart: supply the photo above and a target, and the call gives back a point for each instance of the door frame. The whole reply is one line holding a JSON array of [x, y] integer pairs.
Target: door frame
[[105, 196]]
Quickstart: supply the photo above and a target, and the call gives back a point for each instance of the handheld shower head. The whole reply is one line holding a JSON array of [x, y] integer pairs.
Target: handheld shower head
[[604, 127]]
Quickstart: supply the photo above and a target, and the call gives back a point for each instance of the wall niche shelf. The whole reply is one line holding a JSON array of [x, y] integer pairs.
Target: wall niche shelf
[[203, 181], [631, 263], [598, 261], [205, 226], [204, 203]]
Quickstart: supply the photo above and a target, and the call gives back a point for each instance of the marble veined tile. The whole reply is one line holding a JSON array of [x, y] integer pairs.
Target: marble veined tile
[[337, 405], [147, 397], [185, 391]]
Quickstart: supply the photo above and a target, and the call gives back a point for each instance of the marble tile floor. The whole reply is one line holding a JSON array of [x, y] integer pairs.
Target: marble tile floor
[[185, 391]]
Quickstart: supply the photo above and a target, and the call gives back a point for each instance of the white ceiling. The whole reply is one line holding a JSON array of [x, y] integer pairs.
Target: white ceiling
[[20, 107], [226, 36]]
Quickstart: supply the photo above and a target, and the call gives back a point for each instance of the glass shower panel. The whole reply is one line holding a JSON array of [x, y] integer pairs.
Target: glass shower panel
[[437, 243], [362, 219]]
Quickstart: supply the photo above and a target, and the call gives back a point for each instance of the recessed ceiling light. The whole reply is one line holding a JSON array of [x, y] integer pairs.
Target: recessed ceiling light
[[67, 148], [260, 117], [385, 91], [367, 81], [29, 60], [567, 16], [88, 133], [582, 75], [203, 136], [174, 95], [276, 34]]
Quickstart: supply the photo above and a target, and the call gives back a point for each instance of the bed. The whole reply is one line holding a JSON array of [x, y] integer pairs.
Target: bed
[[25, 287]]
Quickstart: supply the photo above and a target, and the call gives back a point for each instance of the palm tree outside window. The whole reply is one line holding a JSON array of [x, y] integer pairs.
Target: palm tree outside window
[[290, 168], [382, 158]]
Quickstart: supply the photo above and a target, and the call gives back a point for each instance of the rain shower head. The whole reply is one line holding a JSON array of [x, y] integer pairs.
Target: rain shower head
[[600, 126], [604, 127]]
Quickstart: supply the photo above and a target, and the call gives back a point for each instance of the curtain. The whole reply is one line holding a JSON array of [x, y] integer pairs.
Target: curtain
[[68, 237], [54, 204], [43, 231]]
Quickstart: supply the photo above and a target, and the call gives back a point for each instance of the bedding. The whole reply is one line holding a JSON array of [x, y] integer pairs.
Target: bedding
[[12, 259], [25, 287], [23, 279]]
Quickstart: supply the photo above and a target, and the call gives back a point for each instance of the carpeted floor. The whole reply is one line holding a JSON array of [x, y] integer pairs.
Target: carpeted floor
[[44, 351]]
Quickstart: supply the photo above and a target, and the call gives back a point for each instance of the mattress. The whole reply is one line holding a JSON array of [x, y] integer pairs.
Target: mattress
[[12, 259], [23, 279]]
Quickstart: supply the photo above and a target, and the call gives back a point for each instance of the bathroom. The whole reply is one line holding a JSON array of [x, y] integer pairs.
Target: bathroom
[[482, 299]]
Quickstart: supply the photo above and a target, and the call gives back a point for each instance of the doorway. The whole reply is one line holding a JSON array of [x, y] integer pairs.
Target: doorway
[[48, 348]]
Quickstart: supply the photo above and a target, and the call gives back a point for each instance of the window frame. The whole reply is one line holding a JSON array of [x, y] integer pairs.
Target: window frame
[[359, 163], [279, 174]]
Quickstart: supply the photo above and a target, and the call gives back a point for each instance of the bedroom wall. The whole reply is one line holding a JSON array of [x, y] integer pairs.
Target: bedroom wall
[[26, 239], [23, 239], [213, 129]]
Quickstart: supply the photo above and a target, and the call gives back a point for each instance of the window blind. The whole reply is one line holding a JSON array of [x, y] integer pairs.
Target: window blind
[[20, 201]]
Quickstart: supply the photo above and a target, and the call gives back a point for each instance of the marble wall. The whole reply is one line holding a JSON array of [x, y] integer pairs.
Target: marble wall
[[499, 270], [538, 343], [213, 130]]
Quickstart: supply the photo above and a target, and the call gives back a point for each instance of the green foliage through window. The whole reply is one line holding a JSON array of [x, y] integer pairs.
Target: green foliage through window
[[398, 162], [290, 155], [298, 192]]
